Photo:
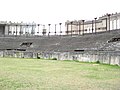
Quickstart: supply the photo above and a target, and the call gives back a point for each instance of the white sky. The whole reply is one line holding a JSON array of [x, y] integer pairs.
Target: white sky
[[55, 11]]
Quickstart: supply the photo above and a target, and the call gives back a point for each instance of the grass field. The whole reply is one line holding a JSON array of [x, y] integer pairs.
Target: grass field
[[36, 74]]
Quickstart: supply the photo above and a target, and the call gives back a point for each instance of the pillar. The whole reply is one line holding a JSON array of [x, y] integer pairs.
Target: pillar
[[112, 24]]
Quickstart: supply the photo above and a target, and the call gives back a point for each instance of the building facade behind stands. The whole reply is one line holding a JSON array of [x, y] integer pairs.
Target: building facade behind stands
[[80, 27], [105, 23], [20, 29]]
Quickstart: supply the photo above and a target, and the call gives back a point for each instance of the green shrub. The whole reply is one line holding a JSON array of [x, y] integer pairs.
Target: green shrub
[[38, 57], [76, 60], [54, 58], [97, 61], [116, 65]]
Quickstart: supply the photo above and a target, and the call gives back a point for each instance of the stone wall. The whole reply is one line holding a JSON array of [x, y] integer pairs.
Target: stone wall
[[107, 57], [18, 54], [90, 56]]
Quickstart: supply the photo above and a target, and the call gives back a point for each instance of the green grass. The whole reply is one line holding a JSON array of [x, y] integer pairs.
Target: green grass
[[37, 74]]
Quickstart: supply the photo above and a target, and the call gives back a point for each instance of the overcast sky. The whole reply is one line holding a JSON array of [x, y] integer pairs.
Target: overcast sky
[[55, 11]]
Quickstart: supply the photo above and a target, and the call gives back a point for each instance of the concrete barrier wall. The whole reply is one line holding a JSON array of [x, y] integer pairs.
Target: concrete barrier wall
[[102, 57], [18, 54]]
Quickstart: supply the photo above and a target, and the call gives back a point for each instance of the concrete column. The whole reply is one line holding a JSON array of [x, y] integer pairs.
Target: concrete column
[[6, 30], [16, 29], [83, 22], [95, 25], [112, 24], [92, 26], [116, 23], [67, 28], [20, 30], [55, 29], [79, 28], [119, 23]]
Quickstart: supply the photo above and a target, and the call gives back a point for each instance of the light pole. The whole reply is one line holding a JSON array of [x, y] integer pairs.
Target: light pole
[[95, 25], [71, 27], [49, 29], [83, 21], [60, 28]]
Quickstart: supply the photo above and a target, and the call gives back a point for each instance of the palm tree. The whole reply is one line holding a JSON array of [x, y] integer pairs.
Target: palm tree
[[83, 25], [60, 28], [49, 29]]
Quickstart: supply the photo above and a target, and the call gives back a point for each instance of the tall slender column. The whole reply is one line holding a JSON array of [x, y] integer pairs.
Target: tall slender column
[[49, 30], [38, 29], [116, 23], [119, 23], [106, 24], [92, 25], [79, 28], [67, 28], [60, 28], [16, 30], [112, 24], [21, 32], [109, 20], [95, 25], [27, 30], [32, 32], [71, 27], [55, 29], [44, 30], [8, 29], [83, 26]]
